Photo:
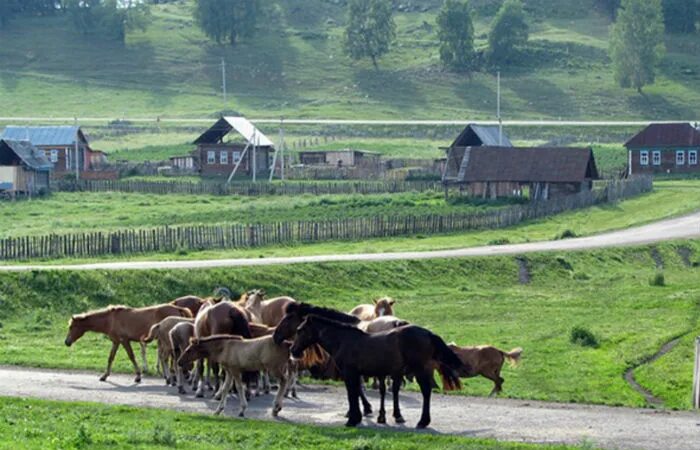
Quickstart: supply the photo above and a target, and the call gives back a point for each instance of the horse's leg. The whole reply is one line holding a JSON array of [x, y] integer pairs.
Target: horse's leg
[[366, 406], [266, 381], [179, 373], [395, 388], [216, 369], [292, 382], [426, 388], [382, 392], [352, 385], [207, 377], [241, 396], [199, 379], [110, 360], [225, 388], [143, 355], [129, 351], [279, 397], [165, 362]]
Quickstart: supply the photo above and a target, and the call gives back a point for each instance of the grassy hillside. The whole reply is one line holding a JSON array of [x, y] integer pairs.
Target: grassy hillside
[[470, 301], [295, 67]]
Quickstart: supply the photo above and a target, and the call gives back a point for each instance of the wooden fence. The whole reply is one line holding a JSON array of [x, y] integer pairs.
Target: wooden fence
[[247, 189], [186, 238]]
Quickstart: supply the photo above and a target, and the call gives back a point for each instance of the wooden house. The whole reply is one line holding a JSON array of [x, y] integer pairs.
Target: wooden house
[[249, 153], [23, 168], [340, 158], [63, 146], [492, 172], [664, 148], [481, 136]]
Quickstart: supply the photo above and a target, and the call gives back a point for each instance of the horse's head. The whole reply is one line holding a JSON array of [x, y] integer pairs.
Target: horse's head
[[192, 353], [306, 337], [289, 324], [77, 326], [384, 306], [254, 298]]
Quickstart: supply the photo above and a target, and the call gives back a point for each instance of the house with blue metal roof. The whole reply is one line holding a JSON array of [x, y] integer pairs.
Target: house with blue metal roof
[[66, 147]]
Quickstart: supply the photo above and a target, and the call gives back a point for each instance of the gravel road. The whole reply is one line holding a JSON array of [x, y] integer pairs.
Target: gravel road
[[511, 420]]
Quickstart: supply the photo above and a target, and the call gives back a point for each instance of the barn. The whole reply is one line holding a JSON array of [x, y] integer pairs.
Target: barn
[[544, 172], [249, 152], [664, 148], [23, 168], [63, 146]]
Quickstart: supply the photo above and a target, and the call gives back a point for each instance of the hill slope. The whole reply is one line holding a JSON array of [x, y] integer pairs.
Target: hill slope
[[295, 67]]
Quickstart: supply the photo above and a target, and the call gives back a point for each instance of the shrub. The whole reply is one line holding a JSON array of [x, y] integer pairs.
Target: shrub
[[566, 234], [499, 241], [658, 279], [583, 337]]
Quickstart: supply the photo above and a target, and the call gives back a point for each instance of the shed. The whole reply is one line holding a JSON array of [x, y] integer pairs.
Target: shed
[[506, 171], [23, 168], [250, 152], [340, 158], [664, 148]]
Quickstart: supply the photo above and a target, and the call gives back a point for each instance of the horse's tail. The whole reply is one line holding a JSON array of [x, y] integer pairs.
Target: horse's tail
[[152, 333], [513, 356], [447, 364]]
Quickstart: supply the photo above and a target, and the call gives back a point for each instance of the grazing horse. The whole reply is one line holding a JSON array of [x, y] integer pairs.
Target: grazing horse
[[408, 349], [122, 325], [381, 307], [224, 317], [237, 355], [487, 361], [191, 302], [161, 332], [180, 336]]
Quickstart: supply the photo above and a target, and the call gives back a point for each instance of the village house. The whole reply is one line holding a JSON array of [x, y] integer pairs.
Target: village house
[[340, 158], [664, 148], [23, 168], [481, 136], [249, 154], [493, 172]]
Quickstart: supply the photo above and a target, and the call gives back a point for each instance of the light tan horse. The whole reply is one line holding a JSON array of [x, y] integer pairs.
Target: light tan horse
[[382, 307], [268, 312], [250, 302], [383, 323], [161, 332], [485, 360], [180, 337], [237, 355], [122, 325]]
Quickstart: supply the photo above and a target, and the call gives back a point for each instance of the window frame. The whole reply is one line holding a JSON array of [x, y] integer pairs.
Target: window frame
[[692, 157], [680, 157], [211, 157], [656, 158], [235, 156], [644, 158], [53, 155], [223, 157]]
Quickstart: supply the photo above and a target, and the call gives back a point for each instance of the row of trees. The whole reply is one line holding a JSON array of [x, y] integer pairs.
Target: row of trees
[[679, 16]]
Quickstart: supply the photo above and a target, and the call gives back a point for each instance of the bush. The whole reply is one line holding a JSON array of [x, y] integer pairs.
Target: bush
[[566, 234], [658, 279], [583, 337], [499, 241]]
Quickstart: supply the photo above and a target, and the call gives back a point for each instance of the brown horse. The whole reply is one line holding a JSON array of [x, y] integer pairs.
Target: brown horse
[[405, 350], [122, 325], [191, 302], [382, 307], [268, 312], [487, 361], [180, 336], [161, 332], [224, 317]]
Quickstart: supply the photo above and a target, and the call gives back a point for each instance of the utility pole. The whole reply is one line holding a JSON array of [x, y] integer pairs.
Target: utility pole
[[498, 108], [223, 79]]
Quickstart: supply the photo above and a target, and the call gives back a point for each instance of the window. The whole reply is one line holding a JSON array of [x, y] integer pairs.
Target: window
[[236, 156], [69, 160], [656, 158], [644, 158], [211, 157], [693, 157], [223, 158], [680, 157]]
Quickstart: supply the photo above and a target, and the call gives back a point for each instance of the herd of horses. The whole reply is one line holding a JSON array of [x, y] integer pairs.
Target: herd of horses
[[254, 338]]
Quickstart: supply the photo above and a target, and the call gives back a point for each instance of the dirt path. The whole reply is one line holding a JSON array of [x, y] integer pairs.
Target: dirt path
[[678, 228], [629, 374], [512, 420]]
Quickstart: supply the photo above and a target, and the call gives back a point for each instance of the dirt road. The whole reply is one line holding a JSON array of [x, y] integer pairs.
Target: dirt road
[[512, 420], [679, 228]]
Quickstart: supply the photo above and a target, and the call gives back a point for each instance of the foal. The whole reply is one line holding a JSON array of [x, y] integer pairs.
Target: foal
[[122, 325], [487, 361], [161, 332], [180, 336], [406, 350], [237, 355]]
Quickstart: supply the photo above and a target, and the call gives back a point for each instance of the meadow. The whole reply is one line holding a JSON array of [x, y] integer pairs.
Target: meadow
[[469, 301]]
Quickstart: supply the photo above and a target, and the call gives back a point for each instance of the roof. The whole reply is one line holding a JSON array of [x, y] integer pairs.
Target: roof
[[481, 135], [44, 136], [666, 135], [242, 126], [344, 150], [29, 154], [538, 164]]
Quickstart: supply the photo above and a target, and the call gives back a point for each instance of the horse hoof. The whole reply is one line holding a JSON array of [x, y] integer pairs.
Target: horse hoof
[[399, 419], [217, 397], [218, 412], [137, 379], [381, 420], [103, 377], [276, 410], [352, 423], [422, 425], [181, 390], [294, 395], [199, 394], [241, 414]]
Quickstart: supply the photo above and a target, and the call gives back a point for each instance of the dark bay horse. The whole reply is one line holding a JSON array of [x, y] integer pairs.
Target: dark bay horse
[[405, 350]]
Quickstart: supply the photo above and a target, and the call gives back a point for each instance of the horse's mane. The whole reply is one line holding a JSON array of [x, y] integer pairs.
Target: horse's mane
[[96, 312], [305, 309], [334, 323]]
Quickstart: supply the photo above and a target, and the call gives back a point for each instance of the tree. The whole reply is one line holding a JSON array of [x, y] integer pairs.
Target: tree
[[680, 15], [109, 18], [508, 31], [456, 35], [227, 19], [370, 30], [637, 43]]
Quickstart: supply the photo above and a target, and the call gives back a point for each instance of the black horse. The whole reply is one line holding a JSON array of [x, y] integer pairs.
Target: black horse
[[405, 350], [295, 313]]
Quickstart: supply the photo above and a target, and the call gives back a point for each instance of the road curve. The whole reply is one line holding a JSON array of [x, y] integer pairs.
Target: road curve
[[685, 227], [511, 420]]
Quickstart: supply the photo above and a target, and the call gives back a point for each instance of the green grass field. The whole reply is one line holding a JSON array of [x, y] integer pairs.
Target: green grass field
[[32, 424], [470, 301], [295, 67]]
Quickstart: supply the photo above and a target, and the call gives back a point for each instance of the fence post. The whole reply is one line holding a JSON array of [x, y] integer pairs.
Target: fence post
[[696, 375]]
